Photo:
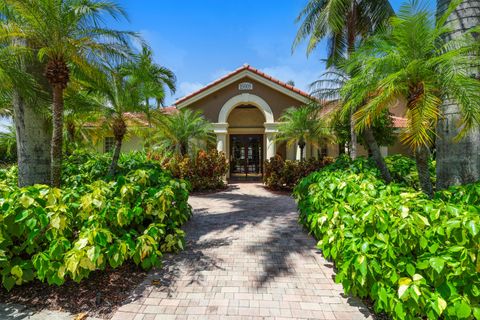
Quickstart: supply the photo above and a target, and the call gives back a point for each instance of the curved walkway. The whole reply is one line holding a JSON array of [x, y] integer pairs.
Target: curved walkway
[[246, 258]]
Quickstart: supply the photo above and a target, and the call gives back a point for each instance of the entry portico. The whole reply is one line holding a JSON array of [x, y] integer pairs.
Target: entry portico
[[244, 107]]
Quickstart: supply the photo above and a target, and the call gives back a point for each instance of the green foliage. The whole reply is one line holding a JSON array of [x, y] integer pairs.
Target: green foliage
[[204, 172], [413, 256], [92, 223], [304, 125], [284, 175], [403, 170]]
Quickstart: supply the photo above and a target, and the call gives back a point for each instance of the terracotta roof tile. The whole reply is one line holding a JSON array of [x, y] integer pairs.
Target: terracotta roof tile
[[237, 71], [399, 122]]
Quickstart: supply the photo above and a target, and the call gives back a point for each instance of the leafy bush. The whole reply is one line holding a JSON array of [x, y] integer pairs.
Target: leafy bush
[[414, 257], [91, 223], [404, 170], [284, 175], [204, 172]]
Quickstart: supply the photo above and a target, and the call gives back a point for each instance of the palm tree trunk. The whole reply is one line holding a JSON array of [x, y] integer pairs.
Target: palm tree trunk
[[33, 143], [351, 34], [57, 136], [457, 162], [183, 149], [353, 138], [119, 131], [376, 154], [422, 156], [116, 155]]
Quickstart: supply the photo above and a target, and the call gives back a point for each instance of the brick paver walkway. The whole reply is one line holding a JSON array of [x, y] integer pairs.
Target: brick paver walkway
[[246, 258]]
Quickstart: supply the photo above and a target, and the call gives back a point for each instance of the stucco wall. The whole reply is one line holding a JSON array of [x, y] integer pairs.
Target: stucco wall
[[246, 117], [213, 103]]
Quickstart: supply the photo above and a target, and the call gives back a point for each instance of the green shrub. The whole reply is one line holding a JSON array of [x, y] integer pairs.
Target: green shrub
[[414, 257], [404, 170], [284, 175], [91, 223], [204, 172]]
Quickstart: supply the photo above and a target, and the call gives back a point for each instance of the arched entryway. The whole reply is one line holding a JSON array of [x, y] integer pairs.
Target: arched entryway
[[245, 132], [246, 142]]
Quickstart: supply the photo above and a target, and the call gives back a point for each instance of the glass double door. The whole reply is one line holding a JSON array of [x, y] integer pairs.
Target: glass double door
[[246, 156]]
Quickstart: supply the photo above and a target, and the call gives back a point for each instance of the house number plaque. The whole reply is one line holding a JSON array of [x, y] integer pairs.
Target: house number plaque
[[245, 86]]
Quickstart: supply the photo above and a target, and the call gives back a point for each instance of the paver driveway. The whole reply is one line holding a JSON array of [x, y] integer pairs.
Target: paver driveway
[[246, 258]]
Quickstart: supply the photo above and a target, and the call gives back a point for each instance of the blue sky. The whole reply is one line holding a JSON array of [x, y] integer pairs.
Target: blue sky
[[203, 40]]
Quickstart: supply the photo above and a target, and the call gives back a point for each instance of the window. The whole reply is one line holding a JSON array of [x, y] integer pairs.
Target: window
[[108, 144]]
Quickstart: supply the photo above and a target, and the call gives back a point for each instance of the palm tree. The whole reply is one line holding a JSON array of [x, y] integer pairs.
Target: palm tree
[[182, 130], [151, 78], [424, 70], [303, 125], [458, 162], [65, 35], [331, 87], [343, 23], [116, 95], [23, 98]]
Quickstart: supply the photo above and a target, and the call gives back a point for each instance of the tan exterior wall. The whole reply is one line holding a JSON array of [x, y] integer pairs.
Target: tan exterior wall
[[250, 117], [212, 104]]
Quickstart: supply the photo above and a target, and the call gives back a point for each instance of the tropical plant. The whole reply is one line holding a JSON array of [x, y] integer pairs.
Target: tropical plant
[[68, 36], [22, 97], [331, 88], [8, 143], [205, 171], [303, 125], [181, 132], [118, 97], [457, 160], [343, 23], [284, 174], [413, 257], [150, 78], [91, 223], [423, 70]]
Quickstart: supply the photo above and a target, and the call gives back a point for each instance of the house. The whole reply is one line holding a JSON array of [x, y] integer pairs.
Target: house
[[245, 106]]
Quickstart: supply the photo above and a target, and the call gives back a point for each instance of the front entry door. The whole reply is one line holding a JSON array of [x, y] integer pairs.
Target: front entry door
[[246, 156]]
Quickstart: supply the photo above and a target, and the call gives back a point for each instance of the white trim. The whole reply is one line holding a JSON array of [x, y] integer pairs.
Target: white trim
[[246, 98], [220, 127], [245, 73]]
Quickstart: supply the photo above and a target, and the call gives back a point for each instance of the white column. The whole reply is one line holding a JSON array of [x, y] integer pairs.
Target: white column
[[221, 142], [221, 130], [299, 152], [270, 132]]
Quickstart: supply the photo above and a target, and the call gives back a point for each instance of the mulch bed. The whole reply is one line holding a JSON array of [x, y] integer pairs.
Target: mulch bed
[[98, 296]]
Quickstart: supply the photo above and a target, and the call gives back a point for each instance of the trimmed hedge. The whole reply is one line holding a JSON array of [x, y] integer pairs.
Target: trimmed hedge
[[414, 257], [92, 223]]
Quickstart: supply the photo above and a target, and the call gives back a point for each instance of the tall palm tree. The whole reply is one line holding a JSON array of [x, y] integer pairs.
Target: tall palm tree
[[424, 70], [343, 23], [458, 162], [117, 96], [331, 87], [65, 35], [181, 131], [23, 98], [151, 78], [303, 125]]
